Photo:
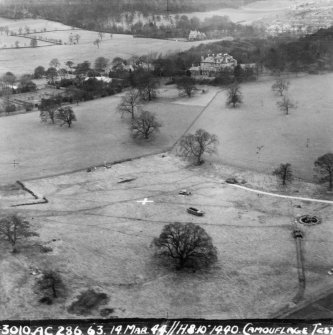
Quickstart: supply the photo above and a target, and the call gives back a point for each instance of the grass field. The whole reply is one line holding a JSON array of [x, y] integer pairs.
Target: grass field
[[101, 239], [99, 135], [33, 24], [298, 138]]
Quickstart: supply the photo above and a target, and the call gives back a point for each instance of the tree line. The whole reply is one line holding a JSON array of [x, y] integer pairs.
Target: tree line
[[82, 10], [311, 54]]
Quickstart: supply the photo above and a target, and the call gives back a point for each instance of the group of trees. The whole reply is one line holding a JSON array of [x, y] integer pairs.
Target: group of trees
[[58, 114], [276, 55], [10, 85], [323, 167], [143, 123], [50, 285], [281, 86]]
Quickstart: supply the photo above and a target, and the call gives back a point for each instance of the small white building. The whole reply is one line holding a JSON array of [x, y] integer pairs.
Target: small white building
[[106, 80]]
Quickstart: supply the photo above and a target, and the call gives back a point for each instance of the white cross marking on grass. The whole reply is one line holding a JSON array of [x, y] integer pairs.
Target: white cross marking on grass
[[145, 201]]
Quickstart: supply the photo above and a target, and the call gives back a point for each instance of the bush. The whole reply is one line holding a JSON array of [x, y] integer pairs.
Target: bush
[[10, 108], [51, 286], [88, 301], [66, 82], [28, 107], [88, 96]]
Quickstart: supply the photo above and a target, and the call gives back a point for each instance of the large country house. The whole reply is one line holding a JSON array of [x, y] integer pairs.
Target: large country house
[[211, 65]]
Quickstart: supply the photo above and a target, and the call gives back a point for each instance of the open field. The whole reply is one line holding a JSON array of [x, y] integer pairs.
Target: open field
[[99, 135], [101, 239], [259, 122], [33, 24]]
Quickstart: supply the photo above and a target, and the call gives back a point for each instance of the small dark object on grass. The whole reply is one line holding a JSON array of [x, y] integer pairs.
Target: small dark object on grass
[[195, 211], [90, 169], [184, 192], [126, 180], [231, 180], [297, 233]]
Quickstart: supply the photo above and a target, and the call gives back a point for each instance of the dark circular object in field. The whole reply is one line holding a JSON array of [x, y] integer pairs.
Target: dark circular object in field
[[309, 220]]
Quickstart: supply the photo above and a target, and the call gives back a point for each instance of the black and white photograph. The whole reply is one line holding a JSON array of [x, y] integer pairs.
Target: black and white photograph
[[166, 159]]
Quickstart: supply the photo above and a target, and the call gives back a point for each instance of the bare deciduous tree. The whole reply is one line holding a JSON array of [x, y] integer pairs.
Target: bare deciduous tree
[[66, 115], [193, 146], [186, 85], [77, 38], [101, 63], [54, 63], [284, 173], [281, 85], [234, 95], [48, 114], [51, 286], [145, 125], [97, 42], [130, 102], [14, 228], [324, 169], [286, 104], [188, 244]]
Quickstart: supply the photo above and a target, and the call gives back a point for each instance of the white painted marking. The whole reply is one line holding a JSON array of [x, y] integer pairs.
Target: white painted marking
[[145, 201]]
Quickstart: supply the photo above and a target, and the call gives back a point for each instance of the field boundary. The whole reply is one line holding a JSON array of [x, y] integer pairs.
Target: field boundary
[[197, 118], [108, 164], [40, 200]]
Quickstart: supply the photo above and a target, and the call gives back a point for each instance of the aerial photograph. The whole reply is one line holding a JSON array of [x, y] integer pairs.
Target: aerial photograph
[[166, 159]]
